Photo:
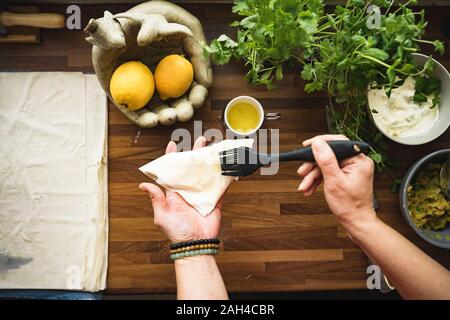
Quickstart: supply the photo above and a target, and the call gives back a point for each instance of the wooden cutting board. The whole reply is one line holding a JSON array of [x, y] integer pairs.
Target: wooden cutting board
[[273, 238]]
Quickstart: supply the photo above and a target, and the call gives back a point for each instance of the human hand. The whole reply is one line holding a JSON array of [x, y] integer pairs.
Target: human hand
[[348, 185], [175, 217]]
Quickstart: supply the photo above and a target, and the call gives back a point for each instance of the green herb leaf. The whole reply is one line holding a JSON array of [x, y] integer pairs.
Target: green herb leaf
[[439, 46], [376, 157], [220, 49], [427, 86], [313, 86], [376, 53], [240, 6], [436, 99], [307, 72], [419, 97], [227, 42], [308, 21], [279, 73]]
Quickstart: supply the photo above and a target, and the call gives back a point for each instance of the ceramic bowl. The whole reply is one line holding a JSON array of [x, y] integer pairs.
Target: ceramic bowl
[[439, 238], [443, 121]]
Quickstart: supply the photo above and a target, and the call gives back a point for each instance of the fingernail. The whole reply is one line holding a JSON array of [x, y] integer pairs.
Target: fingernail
[[301, 186]]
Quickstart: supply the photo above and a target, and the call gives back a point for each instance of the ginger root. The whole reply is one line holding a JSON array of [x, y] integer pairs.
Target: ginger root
[[147, 33]]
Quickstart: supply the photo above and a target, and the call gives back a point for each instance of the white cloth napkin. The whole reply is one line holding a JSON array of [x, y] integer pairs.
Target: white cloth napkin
[[195, 175]]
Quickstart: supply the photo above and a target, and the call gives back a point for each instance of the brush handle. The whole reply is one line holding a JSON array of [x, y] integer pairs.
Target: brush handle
[[343, 149]]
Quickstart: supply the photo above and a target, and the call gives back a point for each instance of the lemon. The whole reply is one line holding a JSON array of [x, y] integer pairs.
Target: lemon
[[132, 85], [173, 76]]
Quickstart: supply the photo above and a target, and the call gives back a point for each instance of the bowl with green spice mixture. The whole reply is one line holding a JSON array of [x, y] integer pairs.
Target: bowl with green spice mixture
[[423, 204]]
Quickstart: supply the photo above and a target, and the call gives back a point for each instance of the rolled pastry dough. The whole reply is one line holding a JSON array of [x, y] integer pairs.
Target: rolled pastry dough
[[53, 182], [195, 175]]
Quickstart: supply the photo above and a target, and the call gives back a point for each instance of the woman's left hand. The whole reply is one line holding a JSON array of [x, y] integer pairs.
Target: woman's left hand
[[175, 217]]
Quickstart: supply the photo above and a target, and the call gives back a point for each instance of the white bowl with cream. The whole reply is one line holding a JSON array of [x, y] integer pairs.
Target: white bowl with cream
[[406, 122]]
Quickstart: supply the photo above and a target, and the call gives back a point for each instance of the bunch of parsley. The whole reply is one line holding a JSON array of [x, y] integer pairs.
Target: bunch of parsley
[[270, 34]]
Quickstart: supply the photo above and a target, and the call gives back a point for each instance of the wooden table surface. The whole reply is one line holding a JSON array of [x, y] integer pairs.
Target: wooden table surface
[[274, 239]]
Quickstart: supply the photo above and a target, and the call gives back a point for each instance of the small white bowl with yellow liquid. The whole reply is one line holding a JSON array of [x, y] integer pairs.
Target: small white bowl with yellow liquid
[[243, 115]]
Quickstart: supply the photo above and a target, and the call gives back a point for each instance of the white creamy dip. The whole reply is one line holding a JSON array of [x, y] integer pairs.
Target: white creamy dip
[[398, 115]]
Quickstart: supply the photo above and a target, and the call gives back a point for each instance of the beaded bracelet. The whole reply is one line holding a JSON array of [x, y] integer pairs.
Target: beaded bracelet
[[193, 243], [196, 247], [192, 253]]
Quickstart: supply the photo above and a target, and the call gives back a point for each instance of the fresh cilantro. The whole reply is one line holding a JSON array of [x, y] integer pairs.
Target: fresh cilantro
[[307, 72], [270, 34], [427, 86], [439, 46], [221, 49], [419, 97], [338, 52]]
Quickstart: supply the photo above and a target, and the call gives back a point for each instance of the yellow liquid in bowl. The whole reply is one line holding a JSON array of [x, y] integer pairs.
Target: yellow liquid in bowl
[[243, 117]]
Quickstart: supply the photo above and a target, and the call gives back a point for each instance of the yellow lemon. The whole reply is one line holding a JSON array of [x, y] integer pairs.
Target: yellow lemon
[[173, 76], [132, 85]]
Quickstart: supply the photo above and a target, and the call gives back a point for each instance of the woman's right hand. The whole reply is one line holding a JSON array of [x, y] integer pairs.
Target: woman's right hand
[[348, 185]]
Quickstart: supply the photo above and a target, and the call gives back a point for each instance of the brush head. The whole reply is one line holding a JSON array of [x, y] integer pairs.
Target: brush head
[[240, 162]]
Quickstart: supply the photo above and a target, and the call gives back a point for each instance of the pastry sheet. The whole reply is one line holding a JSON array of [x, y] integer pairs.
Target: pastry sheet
[[53, 181], [195, 175]]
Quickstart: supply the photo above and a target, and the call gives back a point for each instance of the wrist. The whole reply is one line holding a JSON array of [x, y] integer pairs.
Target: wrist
[[203, 264], [201, 259], [360, 224]]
